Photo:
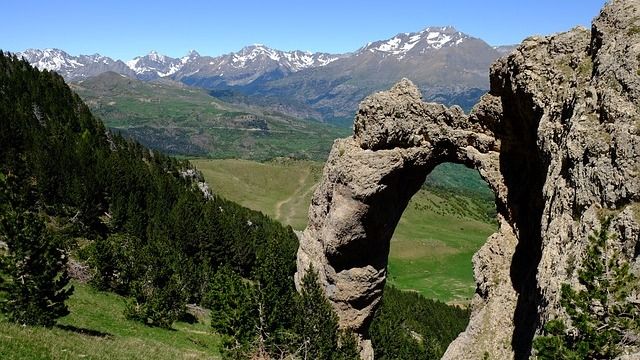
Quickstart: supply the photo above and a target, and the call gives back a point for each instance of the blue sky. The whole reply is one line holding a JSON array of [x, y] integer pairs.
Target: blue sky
[[124, 29]]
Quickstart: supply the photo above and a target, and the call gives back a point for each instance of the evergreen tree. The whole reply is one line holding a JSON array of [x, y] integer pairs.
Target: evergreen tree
[[602, 320], [409, 326], [275, 266], [348, 346], [317, 323], [159, 297], [233, 307], [115, 262], [35, 264]]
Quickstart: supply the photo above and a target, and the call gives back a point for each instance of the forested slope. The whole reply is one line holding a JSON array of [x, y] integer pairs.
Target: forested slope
[[147, 231]]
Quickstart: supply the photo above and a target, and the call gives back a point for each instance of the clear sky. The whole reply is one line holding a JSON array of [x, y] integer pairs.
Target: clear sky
[[124, 29]]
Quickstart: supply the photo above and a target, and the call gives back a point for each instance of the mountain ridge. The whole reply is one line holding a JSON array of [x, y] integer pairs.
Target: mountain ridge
[[55, 59], [447, 65]]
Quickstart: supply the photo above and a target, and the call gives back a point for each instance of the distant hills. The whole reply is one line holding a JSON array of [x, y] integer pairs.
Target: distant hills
[[449, 66], [181, 120]]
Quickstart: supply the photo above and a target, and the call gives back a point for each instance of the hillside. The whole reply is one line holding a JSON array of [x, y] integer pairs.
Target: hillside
[[146, 227], [97, 329], [143, 223], [177, 119]]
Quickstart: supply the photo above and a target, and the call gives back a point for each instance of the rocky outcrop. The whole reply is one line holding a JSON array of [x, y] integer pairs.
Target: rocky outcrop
[[557, 138]]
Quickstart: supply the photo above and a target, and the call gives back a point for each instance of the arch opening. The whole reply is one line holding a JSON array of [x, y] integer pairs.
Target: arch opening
[[444, 224]]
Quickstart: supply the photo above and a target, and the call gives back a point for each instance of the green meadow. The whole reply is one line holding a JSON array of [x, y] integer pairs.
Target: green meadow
[[97, 329]]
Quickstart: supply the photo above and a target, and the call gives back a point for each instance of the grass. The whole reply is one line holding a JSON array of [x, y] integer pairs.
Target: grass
[[432, 247], [444, 224], [281, 189], [96, 329]]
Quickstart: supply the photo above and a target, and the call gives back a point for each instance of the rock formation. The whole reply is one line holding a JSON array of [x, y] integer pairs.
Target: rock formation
[[557, 138]]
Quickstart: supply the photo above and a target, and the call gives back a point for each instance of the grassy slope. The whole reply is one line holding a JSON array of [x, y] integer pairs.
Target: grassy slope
[[280, 189], [97, 329], [432, 246], [182, 120]]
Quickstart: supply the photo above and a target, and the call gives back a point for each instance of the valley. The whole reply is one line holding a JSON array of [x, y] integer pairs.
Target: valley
[[444, 224], [182, 120]]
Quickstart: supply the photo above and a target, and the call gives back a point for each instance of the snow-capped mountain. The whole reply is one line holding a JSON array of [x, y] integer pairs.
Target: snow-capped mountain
[[429, 39], [249, 64], [242, 67], [154, 65], [505, 49], [448, 65], [292, 61], [254, 62], [74, 67]]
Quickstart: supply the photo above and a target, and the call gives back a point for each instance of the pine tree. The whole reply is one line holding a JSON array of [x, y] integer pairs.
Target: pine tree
[[348, 346], [159, 297], [35, 264], [318, 323], [115, 261], [233, 310], [602, 319]]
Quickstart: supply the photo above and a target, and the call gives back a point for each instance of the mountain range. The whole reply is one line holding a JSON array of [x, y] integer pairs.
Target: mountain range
[[448, 66], [241, 68]]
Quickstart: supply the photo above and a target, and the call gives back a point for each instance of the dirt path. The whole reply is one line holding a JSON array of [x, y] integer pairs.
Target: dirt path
[[295, 194]]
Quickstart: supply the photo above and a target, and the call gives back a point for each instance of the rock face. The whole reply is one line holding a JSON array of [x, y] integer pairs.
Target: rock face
[[557, 138]]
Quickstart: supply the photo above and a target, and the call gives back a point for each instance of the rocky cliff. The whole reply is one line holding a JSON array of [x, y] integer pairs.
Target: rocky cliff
[[558, 140]]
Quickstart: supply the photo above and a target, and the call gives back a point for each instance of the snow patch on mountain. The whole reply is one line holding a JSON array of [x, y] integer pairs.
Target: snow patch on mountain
[[431, 38], [50, 59], [291, 60]]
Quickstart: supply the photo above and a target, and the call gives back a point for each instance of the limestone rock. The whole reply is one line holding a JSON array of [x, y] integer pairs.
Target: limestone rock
[[557, 139]]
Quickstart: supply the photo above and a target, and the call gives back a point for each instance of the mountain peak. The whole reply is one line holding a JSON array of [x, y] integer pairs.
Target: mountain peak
[[429, 39], [446, 28], [193, 53], [154, 56]]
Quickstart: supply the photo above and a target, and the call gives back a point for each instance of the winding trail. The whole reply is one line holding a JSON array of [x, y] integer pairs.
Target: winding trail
[[296, 194]]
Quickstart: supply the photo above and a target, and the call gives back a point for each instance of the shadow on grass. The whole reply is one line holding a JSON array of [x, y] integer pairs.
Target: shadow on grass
[[84, 331]]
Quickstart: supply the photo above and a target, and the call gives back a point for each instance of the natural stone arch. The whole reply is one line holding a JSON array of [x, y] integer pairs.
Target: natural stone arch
[[368, 181]]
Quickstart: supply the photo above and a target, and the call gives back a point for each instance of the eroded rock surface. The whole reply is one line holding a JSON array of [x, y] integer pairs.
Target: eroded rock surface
[[558, 140]]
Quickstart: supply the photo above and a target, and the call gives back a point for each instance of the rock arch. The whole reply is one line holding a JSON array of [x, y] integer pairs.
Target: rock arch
[[368, 181], [557, 138]]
